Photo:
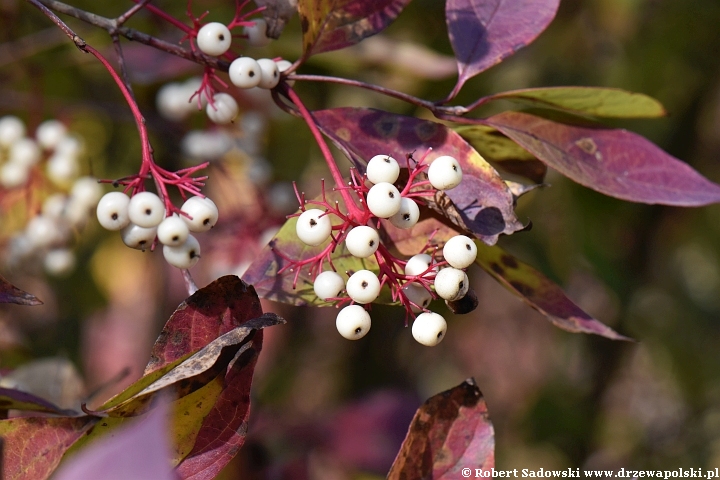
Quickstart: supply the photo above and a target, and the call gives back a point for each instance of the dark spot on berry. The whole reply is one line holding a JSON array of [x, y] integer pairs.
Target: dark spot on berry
[[391, 195], [455, 168], [439, 334], [387, 159], [406, 217], [221, 37], [364, 284], [175, 238], [358, 330], [461, 284], [114, 216], [206, 221], [467, 245], [275, 74], [372, 242], [312, 222], [192, 254], [426, 302], [142, 242], [251, 74], [148, 211]]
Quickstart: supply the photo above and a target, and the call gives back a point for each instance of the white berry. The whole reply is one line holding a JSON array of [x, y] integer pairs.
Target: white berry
[[418, 295], [418, 264], [69, 146], [112, 211], [42, 231], [270, 73], [223, 109], [283, 65], [49, 133], [54, 206], [363, 286], [245, 72], [146, 210], [173, 231], [382, 168], [451, 284], [257, 33], [11, 129], [353, 322], [214, 39], [445, 173], [313, 227], [362, 241], [13, 175], [62, 168], [460, 251], [328, 284], [172, 101], [183, 256], [429, 329], [59, 262], [25, 152], [384, 200], [408, 215], [137, 237], [86, 191], [203, 211]]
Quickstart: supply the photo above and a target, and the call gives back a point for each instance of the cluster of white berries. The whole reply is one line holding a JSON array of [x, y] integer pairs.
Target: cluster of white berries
[[47, 234], [142, 222], [385, 201]]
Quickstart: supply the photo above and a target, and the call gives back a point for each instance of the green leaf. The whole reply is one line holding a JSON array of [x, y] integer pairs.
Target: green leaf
[[596, 101]]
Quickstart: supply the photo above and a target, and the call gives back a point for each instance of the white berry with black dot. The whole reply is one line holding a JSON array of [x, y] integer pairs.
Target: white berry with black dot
[[353, 322], [429, 328], [362, 241], [112, 211], [183, 256], [382, 168], [328, 284], [451, 284], [460, 251], [173, 231], [313, 227], [418, 295], [245, 72], [270, 73], [408, 215], [203, 213], [384, 200], [223, 109], [363, 286], [137, 237], [418, 264], [146, 210], [445, 173], [214, 38]]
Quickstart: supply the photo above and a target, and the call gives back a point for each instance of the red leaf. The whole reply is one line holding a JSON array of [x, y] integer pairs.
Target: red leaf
[[11, 294], [612, 161], [485, 32], [484, 202], [450, 432], [34, 446], [214, 310], [334, 24]]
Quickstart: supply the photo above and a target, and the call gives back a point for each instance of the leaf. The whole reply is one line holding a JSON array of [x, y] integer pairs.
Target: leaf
[[277, 13], [596, 101], [485, 32], [612, 161], [11, 294], [481, 204], [262, 273], [503, 152], [34, 445], [334, 24], [11, 399], [540, 292], [138, 451], [450, 432]]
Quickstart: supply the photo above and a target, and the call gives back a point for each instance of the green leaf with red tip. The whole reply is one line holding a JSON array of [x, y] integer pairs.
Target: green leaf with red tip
[[450, 432], [33, 446], [11, 399], [333, 24], [11, 294], [502, 152], [595, 101], [481, 204], [263, 272], [612, 161], [540, 292]]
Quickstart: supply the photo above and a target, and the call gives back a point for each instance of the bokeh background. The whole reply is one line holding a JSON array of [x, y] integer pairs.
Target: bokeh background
[[326, 408]]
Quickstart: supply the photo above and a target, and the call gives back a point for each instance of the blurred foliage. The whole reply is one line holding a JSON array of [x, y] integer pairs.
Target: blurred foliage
[[556, 399]]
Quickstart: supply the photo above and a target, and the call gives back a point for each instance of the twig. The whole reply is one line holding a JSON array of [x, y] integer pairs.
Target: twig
[[121, 63]]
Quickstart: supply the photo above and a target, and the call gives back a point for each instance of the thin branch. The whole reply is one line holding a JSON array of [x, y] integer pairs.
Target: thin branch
[[121, 63], [132, 11]]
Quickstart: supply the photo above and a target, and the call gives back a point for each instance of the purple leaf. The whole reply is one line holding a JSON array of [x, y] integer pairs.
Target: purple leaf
[[334, 24], [11, 294], [11, 399], [482, 203], [485, 32], [540, 292], [140, 451], [612, 161], [450, 432]]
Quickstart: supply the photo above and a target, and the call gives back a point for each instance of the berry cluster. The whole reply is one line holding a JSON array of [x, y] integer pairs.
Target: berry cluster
[[65, 201], [143, 221], [413, 283]]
